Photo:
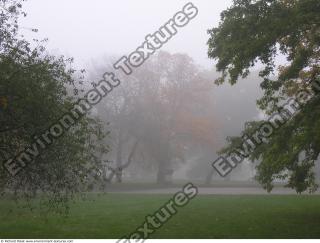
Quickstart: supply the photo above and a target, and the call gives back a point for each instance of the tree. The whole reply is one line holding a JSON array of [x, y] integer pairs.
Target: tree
[[159, 114], [171, 105], [253, 31], [33, 87]]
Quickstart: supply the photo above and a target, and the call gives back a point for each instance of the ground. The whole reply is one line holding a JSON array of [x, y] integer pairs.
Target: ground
[[114, 215]]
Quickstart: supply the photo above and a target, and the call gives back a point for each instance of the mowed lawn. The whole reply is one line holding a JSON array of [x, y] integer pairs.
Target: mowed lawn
[[116, 215]]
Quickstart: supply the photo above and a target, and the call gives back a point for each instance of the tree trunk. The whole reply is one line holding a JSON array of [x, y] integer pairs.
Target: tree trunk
[[164, 174], [161, 175], [118, 169], [209, 177]]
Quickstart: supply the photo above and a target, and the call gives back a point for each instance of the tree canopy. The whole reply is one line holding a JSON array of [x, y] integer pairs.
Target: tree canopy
[[162, 107], [34, 91], [256, 32]]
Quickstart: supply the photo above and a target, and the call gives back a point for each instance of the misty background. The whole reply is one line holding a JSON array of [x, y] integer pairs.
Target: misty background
[[98, 32]]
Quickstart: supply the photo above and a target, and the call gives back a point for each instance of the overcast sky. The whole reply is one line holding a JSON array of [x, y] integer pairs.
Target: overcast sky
[[88, 30]]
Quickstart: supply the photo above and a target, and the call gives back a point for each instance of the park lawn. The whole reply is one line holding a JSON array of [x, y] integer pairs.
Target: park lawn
[[117, 215]]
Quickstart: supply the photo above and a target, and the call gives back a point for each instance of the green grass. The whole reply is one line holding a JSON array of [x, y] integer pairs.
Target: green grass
[[115, 215]]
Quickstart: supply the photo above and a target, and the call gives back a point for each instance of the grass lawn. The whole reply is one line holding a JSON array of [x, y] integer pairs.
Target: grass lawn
[[116, 215]]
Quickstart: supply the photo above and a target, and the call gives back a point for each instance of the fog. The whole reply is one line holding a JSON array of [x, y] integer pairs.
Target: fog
[[87, 30], [138, 120], [98, 32]]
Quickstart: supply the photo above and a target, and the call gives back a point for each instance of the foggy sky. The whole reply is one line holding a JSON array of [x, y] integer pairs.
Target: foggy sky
[[87, 30]]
